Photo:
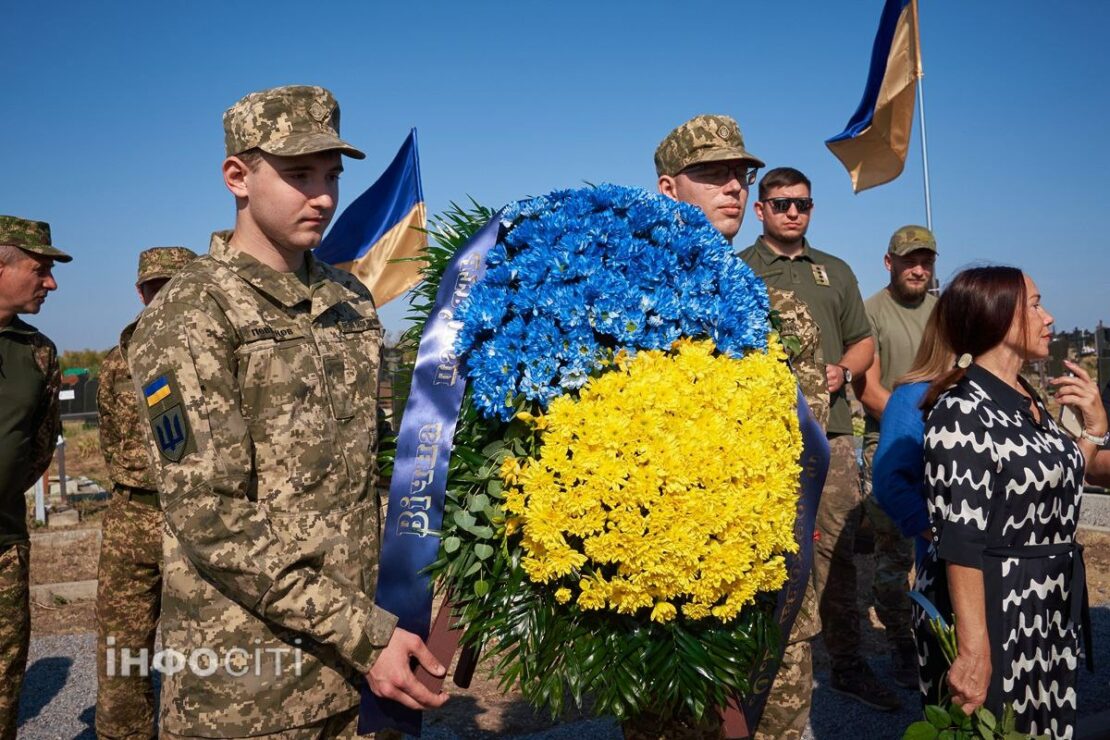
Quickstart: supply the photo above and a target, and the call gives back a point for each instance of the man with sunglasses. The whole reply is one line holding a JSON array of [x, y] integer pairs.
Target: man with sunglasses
[[704, 163], [784, 258]]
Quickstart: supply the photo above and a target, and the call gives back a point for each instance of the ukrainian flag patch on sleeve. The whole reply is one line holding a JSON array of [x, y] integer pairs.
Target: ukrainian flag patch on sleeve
[[156, 390]]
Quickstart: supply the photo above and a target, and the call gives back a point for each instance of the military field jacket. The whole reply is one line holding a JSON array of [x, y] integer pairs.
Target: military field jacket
[[261, 393], [122, 437], [29, 423]]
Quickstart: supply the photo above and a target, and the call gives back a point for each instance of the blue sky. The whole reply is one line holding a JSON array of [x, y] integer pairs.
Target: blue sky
[[110, 126]]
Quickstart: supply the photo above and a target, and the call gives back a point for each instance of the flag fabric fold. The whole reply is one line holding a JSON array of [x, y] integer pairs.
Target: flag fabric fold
[[385, 223], [873, 145]]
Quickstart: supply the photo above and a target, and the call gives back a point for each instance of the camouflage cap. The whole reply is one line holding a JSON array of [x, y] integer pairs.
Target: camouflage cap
[[30, 236], [286, 121], [911, 238], [702, 139], [163, 262]]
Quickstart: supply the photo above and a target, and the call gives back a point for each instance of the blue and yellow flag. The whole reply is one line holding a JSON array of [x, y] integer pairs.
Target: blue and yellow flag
[[873, 146], [385, 223]]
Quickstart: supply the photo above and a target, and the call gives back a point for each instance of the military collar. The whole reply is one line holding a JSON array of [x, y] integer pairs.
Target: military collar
[[770, 256], [1002, 393], [125, 335], [284, 287], [19, 326]]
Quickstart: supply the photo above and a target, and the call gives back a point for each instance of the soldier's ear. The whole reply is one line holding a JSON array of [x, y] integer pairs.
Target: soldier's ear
[[887, 262], [235, 173], [667, 187], [758, 208]]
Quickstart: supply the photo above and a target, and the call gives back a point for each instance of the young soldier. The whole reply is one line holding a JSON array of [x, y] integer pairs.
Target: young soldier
[[257, 367], [29, 429], [129, 577], [703, 162]]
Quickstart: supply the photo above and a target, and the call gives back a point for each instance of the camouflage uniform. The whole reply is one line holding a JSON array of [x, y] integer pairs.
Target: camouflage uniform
[[897, 329], [29, 427], [261, 391], [129, 577], [702, 139], [787, 711], [711, 138]]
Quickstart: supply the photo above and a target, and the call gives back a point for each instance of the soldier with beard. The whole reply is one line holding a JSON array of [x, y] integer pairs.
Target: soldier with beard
[[897, 314]]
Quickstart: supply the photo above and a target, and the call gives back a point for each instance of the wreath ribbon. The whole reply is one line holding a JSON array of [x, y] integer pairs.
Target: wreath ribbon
[[415, 515]]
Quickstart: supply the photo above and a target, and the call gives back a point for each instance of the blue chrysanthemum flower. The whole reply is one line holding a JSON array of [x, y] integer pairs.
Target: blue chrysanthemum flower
[[578, 274]]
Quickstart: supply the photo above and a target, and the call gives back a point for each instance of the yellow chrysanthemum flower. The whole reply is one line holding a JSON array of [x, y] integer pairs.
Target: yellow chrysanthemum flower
[[669, 483]]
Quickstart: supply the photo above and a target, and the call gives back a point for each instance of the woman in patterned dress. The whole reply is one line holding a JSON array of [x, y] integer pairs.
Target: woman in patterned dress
[[1003, 481]]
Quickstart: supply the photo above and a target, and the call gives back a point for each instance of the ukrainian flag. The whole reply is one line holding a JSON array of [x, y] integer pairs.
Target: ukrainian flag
[[873, 146], [385, 223]]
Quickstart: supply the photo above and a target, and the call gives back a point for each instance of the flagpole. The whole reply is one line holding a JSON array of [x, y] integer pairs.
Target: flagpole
[[921, 117]]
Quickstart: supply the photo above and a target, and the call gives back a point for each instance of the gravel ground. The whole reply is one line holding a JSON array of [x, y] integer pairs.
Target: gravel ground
[[1094, 511], [60, 691]]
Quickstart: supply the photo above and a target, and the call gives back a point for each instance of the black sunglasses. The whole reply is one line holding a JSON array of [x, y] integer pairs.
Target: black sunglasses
[[782, 205]]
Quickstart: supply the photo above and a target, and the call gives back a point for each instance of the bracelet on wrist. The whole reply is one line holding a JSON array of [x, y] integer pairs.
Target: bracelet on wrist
[[1098, 440]]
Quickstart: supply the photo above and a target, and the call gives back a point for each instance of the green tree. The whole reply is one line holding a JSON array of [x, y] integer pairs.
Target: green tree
[[89, 359]]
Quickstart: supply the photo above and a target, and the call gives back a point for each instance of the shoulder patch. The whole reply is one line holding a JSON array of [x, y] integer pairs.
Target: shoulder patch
[[168, 422]]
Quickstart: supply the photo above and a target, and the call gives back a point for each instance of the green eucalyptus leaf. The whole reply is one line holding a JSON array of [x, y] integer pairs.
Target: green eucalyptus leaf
[[986, 718], [464, 519], [481, 588], [920, 731], [959, 719], [478, 502], [451, 544], [937, 717], [483, 552]]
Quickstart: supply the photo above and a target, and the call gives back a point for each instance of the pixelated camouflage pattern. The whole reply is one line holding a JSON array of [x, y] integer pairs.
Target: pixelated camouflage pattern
[[911, 238], [273, 522], [162, 262], [807, 361], [342, 726], [15, 631], [128, 602], [838, 517], [702, 139], [806, 358], [31, 236], [787, 712], [894, 560], [286, 121], [122, 429]]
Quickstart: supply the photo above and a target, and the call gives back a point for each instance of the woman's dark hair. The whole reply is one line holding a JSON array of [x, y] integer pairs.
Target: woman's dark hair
[[975, 313]]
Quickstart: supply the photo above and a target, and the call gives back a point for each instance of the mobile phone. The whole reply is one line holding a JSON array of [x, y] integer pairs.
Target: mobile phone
[[1070, 422]]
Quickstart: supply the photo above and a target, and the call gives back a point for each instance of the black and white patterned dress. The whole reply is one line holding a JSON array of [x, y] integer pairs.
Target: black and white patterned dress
[[1003, 497]]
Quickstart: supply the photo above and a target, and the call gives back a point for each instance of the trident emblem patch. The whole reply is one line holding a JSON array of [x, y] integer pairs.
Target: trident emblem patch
[[171, 432]]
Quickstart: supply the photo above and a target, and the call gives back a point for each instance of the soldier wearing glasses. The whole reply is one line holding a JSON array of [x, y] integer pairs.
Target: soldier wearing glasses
[[784, 258], [704, 162]]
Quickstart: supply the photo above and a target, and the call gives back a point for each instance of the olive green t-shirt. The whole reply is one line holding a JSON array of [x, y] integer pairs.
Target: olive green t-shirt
[[829, 289], [897, 329], [22, 384]]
